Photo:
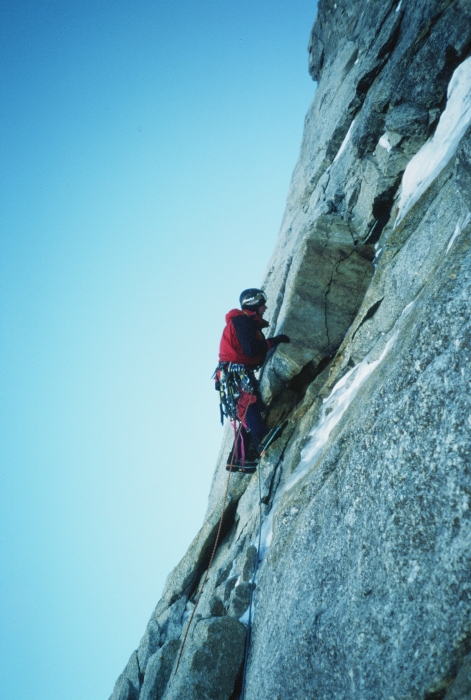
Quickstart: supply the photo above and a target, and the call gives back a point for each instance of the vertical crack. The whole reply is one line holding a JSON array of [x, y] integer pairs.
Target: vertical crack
[[140, 672], [334, 270], [281, 295]]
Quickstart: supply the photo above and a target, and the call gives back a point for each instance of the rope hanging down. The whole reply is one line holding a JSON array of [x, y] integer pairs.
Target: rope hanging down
[[210, 562], [252, 585], [216, 543]]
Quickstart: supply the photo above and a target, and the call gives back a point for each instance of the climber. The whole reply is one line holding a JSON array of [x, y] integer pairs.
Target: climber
[[243, 350]]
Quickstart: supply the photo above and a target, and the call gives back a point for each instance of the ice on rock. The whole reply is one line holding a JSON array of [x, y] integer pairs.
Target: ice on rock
[[384, 142], [245, 617], [232, 572], [460, 225], [333, 409], [437, 151], [344, 142], [266, 534], [262, 542], [337, 403], [377, 256]]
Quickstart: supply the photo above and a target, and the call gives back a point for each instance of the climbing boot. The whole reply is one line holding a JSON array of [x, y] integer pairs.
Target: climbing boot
[[248, 467]]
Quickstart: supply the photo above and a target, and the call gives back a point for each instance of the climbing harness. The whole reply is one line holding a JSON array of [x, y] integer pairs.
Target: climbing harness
[[232, 380], [237, 391]]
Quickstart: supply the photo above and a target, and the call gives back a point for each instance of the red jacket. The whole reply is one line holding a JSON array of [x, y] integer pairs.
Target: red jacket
[[246, 344]]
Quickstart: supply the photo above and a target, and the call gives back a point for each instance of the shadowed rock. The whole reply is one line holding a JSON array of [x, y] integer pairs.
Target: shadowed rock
[[158, 671], [209, 668], [129, 683], [149, 644]]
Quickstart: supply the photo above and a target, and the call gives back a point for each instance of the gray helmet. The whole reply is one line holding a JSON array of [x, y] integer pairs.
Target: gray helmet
[[252, 298]]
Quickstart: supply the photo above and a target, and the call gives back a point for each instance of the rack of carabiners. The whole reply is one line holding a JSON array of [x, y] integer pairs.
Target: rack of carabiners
[[231, 381]]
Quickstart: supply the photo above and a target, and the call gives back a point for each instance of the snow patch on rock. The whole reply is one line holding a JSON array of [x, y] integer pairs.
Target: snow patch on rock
[[333, 409], [460, 225], [344, 142], [384, 142], [434, 155]]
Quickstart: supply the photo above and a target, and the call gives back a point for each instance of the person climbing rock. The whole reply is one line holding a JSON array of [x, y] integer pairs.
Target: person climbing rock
[[243, 350]]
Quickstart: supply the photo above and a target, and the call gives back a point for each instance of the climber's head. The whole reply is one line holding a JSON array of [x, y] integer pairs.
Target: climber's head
[[254, 300]]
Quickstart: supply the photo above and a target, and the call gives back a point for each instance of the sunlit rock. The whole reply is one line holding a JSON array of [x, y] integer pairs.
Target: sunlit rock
[[351, 545]]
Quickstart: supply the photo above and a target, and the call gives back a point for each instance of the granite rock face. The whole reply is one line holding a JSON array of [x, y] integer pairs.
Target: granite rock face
[[129, 683], [361, 579], [159, 669], [212, 661]]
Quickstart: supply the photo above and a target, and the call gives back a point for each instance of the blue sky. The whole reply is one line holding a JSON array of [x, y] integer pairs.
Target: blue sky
[[146, 150]]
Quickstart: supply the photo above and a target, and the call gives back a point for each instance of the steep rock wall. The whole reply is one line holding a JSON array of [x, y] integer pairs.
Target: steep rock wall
[[363, 573]]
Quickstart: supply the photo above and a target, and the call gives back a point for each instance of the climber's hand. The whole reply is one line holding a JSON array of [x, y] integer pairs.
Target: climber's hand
[[279, 339]]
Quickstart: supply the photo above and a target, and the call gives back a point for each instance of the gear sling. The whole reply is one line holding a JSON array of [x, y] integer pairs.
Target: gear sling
[[237, 388]]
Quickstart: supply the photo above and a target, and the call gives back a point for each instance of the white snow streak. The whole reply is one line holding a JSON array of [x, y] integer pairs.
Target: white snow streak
[[344, 142], [336, 404], [399, 6], [267, 534], [333, 409], [384, 142], [232, 571], [460, 224], [245, 617], [434, 155], [377, 256]]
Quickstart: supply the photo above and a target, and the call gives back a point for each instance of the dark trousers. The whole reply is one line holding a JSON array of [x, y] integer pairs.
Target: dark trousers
[[255, 433], [255, 423]]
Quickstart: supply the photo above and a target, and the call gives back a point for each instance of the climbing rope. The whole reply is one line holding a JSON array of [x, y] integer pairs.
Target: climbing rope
[[216, 543], [252, 584], [211, 559]]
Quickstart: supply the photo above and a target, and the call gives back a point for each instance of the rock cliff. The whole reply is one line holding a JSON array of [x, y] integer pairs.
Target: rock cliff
[[363, 561]]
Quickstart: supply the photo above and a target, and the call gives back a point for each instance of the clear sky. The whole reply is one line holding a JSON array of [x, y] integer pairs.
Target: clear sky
[[146, 150]]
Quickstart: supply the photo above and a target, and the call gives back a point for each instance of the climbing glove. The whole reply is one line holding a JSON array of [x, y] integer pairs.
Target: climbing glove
[[279, 339]]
